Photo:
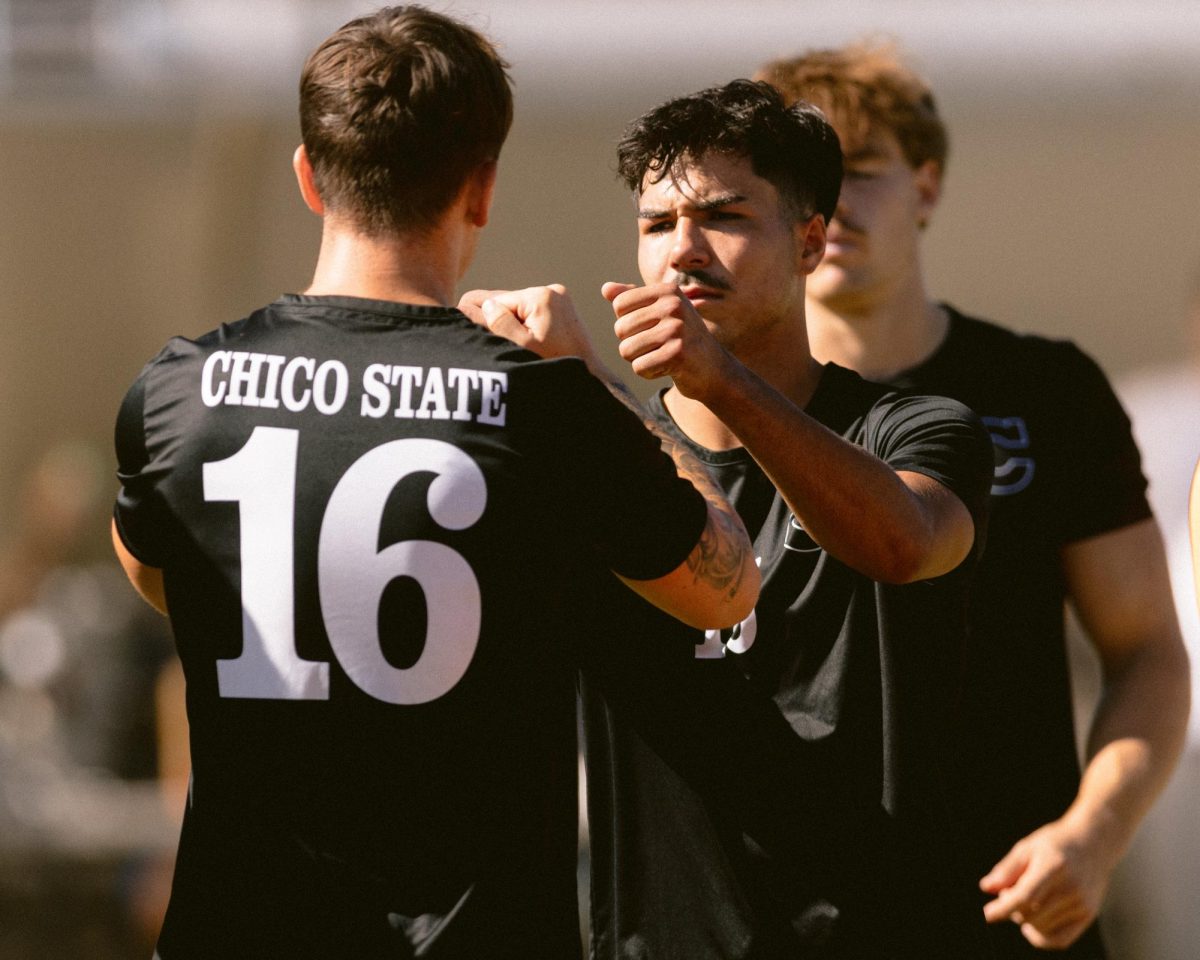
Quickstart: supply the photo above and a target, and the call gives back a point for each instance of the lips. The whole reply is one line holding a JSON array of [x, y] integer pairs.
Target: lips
[[701, 293], [839, 242], [843, 236]]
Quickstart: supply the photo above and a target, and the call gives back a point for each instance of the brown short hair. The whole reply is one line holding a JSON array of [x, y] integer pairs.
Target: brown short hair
[[863, 85], [396, 110]]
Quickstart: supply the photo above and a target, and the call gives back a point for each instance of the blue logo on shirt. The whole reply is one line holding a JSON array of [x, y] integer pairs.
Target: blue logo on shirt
[[1013, 473]]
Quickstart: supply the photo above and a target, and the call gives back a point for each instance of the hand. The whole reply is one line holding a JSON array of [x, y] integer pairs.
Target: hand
[[540, 319], [1051, 883], [662, 335]]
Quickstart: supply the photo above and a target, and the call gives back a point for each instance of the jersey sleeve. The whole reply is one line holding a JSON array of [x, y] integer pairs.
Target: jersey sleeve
[[939, 438], [1100, 467], [139, 514], [634, 509]]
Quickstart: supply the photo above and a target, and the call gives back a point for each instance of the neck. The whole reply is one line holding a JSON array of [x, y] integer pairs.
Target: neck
[[781, 358], [878, 336], [406, 268]]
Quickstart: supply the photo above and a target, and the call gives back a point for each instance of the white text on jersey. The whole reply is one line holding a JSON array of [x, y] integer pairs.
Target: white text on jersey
[[243, 378]]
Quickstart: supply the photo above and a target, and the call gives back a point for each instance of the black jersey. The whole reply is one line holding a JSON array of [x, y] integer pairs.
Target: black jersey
[[865, 677], [1067, 468], [372, 520]]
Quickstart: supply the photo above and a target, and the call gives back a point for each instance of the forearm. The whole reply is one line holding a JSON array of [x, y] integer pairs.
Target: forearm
[[1134, 743], [723, 557], [1120, 587], [848, 500]]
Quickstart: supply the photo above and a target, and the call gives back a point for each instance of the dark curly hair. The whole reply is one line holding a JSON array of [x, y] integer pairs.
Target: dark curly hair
[[396, 110], [793, 148]]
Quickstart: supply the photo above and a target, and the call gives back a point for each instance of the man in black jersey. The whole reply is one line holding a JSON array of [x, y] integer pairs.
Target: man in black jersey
[[867, 510], [370, 521], [1069, 519]]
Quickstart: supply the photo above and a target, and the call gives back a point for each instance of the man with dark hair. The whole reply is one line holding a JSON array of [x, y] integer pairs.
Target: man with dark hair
[[867, 510], [350, 502], [1069, 520]]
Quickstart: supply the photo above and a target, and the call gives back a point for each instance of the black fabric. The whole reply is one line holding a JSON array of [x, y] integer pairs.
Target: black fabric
[[337, 818], [851, 852], [1067, 468]]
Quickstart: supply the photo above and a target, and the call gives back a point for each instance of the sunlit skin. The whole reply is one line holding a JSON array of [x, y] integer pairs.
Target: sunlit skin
[[874, 240], [868, 288], [722, 234], [721, 312]]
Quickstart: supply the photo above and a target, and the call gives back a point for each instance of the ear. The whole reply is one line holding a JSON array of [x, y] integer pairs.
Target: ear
[[928, 180], [480, 188], [304, 177], [810, 243]]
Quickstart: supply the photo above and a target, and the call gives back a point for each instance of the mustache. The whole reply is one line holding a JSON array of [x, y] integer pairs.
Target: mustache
[[701, 278]]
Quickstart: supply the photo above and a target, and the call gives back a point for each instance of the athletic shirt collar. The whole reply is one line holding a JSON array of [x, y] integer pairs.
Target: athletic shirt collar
[[374, 309]]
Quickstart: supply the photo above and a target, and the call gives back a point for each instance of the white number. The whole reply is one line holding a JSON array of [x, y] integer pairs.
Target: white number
[[740, 638], [352, 573], [261, 477]]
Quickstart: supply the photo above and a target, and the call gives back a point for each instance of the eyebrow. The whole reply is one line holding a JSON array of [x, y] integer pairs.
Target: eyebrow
[[864, 153], [715, 203]]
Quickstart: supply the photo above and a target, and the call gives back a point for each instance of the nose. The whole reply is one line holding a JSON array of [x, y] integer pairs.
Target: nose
[[842, 210], [689, 248]]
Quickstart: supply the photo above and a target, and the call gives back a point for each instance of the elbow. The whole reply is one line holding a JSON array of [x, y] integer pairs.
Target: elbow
[[743, 597], [922, 555], [729, 605], [901, 561]]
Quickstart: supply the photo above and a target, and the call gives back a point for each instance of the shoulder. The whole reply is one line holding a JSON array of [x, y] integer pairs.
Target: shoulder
[[563, 387], [1008, 347], [879, 403], [902, 418], [181, 349], [892, 423]]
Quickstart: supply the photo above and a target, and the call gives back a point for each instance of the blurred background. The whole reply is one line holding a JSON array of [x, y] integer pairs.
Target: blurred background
[[146, 191]]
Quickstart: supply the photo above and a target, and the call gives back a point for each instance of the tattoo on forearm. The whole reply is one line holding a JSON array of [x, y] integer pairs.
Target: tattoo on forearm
[[719, 557]]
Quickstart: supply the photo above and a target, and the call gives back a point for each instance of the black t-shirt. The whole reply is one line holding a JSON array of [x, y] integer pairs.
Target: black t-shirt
[[865, 676], [1067, 468], [372, 520]]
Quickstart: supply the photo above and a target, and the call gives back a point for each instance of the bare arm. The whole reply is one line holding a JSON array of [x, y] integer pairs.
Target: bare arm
[[1054, 880], [895, 527], [146, 580], [717, 585]]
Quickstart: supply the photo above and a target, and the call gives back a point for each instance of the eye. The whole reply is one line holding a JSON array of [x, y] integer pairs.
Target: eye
[[860, 173], [658, 226]]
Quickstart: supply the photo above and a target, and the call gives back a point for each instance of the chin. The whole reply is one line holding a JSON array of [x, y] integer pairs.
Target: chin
[[827, 282]]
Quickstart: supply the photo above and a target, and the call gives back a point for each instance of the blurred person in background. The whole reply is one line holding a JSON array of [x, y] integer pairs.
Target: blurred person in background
[[81, 804], [1069, 520], [1153, 915]]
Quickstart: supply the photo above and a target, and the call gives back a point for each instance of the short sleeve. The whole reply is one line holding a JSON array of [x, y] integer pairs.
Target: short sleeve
[[939, 438], [138, 512], [1103, 487], [640, 516]]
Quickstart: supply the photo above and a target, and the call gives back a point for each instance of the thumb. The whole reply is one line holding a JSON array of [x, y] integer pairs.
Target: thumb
[[611, 290], [1005, 873]]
